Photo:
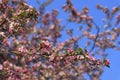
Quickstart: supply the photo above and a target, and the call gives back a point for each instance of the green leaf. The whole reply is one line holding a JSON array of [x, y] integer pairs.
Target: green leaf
[[15, 30], [40, 41], [79, 51], [15, 52]]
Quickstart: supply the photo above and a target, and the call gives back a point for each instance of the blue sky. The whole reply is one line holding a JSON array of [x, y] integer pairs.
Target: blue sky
[[112, 73]]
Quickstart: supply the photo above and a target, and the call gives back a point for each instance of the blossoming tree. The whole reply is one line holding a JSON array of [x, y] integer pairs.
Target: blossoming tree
[[31, 53]]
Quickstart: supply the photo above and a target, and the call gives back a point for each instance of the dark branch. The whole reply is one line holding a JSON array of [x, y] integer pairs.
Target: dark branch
[[98, 30]]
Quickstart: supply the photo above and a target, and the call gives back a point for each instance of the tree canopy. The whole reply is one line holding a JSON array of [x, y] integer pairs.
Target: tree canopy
[[30, 49]]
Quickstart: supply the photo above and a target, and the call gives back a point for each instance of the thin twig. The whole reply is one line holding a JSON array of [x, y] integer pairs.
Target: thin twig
[[98, 30]]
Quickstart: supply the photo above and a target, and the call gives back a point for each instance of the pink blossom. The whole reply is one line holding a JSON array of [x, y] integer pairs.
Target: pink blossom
[[106, 62], [22, 49], [6, 42], [1, 67], [2, 34]]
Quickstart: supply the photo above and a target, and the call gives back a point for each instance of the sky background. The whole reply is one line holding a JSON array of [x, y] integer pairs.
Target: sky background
[[112, 73]]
